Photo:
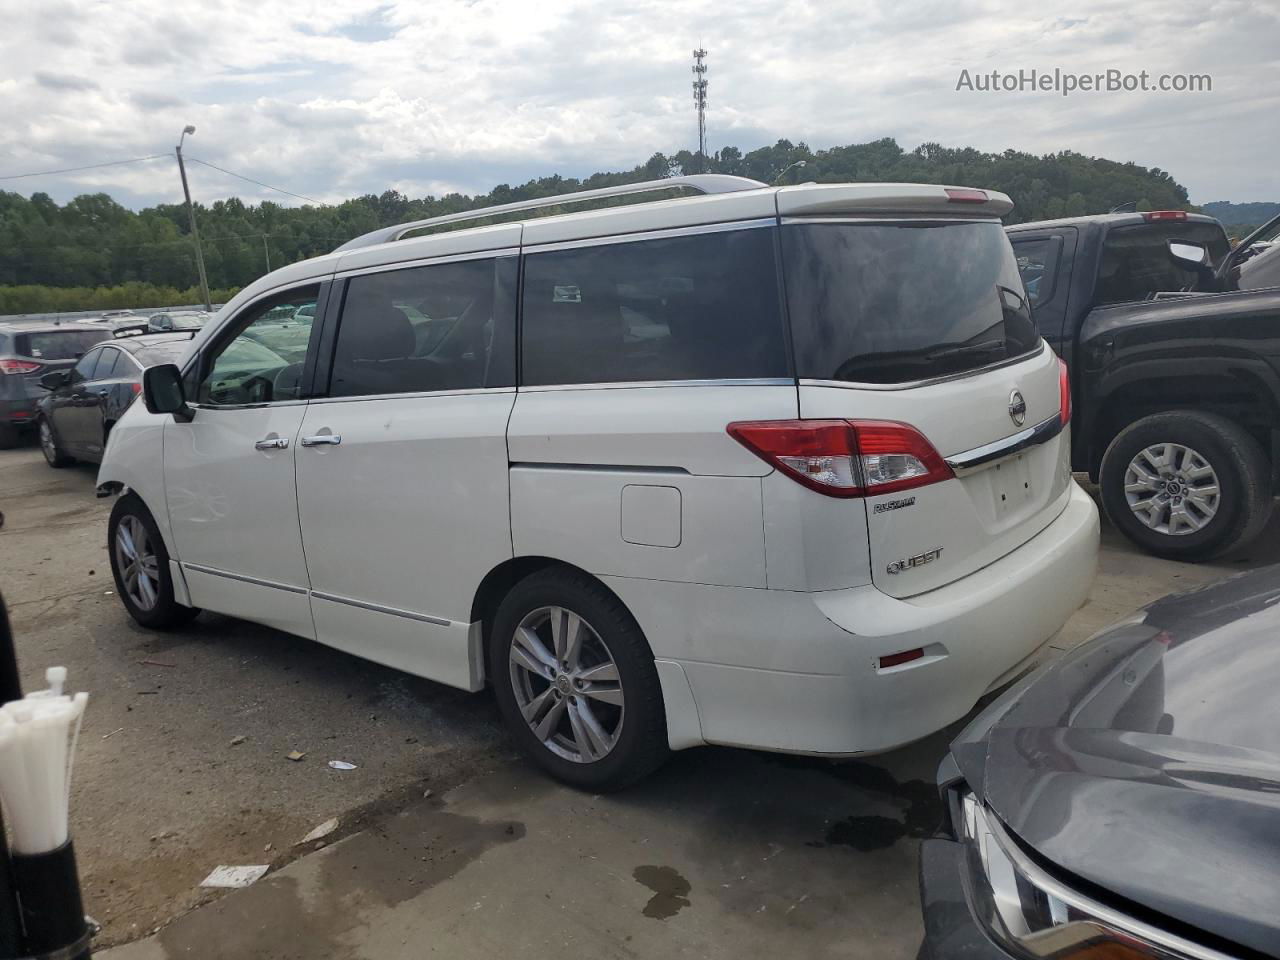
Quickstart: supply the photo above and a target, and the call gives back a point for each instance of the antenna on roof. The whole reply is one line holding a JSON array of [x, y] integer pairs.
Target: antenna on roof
[[700, 101]]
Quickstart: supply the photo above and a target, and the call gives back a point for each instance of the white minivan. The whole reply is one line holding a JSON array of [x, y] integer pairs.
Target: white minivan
[[781, 468]]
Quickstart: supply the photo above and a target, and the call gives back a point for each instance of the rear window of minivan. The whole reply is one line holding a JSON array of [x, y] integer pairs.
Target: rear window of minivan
[[899, 301], [691, 307]]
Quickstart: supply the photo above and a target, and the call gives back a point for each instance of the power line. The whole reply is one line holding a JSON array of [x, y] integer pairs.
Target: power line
[[298, 196], [92, 166]]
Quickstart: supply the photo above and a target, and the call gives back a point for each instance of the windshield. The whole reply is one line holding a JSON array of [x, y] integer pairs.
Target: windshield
[[59, 344], [901, 301]]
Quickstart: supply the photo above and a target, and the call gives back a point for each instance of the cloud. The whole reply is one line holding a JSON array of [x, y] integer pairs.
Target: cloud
[[333, 100]]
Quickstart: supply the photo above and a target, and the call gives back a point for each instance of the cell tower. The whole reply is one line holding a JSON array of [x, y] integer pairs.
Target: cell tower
[[700, 101]]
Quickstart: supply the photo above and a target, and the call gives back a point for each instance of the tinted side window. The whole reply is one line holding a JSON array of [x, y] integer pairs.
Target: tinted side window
[[1136, 262], [701, 307], [107, 362], [448, 326], [83, 370], [1038, 266]]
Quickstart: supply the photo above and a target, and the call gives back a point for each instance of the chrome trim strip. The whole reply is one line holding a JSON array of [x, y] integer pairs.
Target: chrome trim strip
[[872, 216], [1173, 945], [689, 231], [912, 384], [1042, 432], [646, 384], [423, 395], [424, 259], [246, 406], [378, 608], [601, 468], [214, 572]]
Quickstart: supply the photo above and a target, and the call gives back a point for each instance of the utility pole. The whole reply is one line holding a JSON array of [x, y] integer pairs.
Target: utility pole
[[266, 252], [191, 212], [700, 101]]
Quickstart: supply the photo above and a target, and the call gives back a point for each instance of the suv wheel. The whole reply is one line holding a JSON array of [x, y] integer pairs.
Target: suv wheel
[[140, 565], [575, 681], [53, 454], [1186, 485]]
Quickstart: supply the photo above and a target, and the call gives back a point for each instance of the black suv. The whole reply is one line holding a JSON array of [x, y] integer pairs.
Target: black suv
[[1172, 340]]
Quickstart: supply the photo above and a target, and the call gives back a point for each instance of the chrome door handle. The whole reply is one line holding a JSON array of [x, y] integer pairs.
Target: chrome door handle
[[275, 443], [330, 439]]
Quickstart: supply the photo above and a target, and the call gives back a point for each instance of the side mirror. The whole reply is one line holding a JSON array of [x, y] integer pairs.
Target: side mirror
[[162, 391], [53, 379], [1193, 256], [1189, 254]]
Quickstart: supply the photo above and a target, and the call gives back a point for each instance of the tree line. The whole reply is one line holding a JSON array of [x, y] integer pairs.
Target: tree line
[[53, 256]]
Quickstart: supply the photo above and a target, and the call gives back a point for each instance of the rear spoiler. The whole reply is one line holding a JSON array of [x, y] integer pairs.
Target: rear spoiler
[[131, 330]]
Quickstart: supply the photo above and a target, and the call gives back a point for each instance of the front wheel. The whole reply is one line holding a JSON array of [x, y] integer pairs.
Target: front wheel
[[1186, 485], [140, 566], [575, 681], [50, 447]]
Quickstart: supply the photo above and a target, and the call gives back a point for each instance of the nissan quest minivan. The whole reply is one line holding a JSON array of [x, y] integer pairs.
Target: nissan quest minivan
[[780, 468]]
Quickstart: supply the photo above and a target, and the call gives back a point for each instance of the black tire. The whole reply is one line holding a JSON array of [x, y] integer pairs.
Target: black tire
[[50, 446], [166, 613], [640, 746], [8, 436], [1243, 474]]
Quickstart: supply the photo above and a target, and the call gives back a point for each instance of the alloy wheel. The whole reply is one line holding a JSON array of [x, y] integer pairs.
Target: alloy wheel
[[138, 564], [1172, 489], [566, 684]]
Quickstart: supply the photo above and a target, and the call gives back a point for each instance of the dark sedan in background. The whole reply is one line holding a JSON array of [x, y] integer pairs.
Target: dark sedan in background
[[28, 350], [1123, 802], [82, 404]]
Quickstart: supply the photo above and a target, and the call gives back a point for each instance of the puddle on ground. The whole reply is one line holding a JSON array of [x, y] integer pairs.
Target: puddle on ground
[[670, 891]]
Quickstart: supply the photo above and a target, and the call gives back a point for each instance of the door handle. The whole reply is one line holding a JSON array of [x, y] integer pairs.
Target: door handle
[[323, 439], [275, 443]]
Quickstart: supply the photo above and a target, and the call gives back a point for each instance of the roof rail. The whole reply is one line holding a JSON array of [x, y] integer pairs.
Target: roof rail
[[706, 183]]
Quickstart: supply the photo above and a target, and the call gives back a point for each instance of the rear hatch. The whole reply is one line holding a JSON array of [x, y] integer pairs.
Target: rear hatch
[[39, 351], [924, 321]]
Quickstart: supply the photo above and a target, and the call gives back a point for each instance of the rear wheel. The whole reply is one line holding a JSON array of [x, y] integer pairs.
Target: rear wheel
[[49, 446], [140, 565], [1186, 485], [575, 680]]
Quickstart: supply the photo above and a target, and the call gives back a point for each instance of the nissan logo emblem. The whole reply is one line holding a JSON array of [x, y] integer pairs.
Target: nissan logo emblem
[[1017, 408]]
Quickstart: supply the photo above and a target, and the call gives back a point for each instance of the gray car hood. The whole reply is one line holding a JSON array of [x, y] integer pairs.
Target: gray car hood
[[1147, 761]]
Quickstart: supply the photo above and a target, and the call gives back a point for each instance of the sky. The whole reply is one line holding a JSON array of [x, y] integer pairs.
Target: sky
[[334, 99]]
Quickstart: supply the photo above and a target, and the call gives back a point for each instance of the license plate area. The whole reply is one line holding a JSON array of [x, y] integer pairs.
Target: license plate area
[[1011, 486]]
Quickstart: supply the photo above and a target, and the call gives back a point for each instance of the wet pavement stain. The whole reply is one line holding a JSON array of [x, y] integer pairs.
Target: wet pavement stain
[[670, 891], [865, 834]]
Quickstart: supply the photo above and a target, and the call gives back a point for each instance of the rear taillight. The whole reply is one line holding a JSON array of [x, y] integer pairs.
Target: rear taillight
[[845, 458], [965, 195], [18, 366], [1064, 393], [136, 388], [1157, 215]]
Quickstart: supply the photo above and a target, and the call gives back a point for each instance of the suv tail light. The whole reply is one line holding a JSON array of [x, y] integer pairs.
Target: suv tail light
[[18, 366], [1064, 393], [845, 458], [1155, 215]]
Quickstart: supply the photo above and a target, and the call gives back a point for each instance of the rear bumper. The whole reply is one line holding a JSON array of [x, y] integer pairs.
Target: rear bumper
[[950, 930], [18, 411], [798, 672]]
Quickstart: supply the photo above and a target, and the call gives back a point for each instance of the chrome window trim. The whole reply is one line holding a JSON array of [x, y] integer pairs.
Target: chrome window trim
[[378, 608], [246, 406], [1109, 916], [425, 261], [256, 581], [413, 395], [893, 217], [669, 232], [913, 384], [1041, 432], [649, 384]]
